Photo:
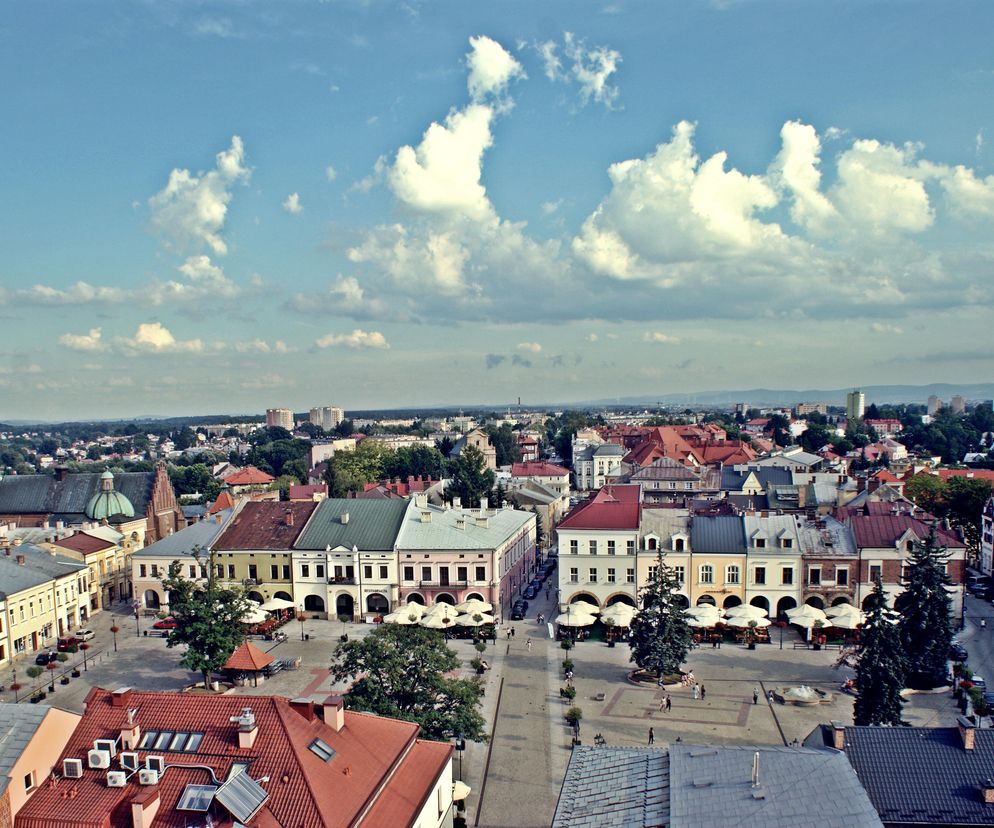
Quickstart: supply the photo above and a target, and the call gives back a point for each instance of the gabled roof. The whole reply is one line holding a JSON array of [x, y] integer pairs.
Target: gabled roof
[[300, 492], [367, 755], [45, 494], [975, 474], [920, 775], [249, 658], [224, 501], [612, 507], [371, 525], [39, 567], [84, 543], [249, 476], [266, 524], [185, 542], [733, 478], [18, 725], [666, 468], [538, 470], [720, 535], [429, 527], [881, 531]]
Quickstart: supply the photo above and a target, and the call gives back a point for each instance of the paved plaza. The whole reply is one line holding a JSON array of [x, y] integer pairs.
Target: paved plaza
[[516, 776]]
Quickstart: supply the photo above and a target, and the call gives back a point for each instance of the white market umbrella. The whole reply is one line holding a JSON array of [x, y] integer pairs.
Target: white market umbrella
[[254, 616], [585, 607], [619, 615], [276, 604], [460, 790], [405, 615], [474, 605], [575, 619], [755, 623], [474, 619], [437, 622], [806, 615], [704, 612], [747, 611], [443, 611], [843, 610], [701, 623]]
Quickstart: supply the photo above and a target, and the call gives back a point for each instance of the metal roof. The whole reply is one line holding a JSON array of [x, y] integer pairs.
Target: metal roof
[[371, 525], [39, 568], [44, 494], [722, 535], [459, 528], [18, 724], [181, 544]]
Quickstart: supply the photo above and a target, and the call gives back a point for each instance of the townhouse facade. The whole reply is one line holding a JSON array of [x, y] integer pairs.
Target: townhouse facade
[[987, 538], [595, 465], [107, 553]]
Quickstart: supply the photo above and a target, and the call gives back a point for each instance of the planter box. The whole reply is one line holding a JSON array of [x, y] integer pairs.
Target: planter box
[[64, 680]]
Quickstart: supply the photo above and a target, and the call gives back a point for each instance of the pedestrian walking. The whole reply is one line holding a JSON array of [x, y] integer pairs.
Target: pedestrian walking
[[508, 633], [652, 736], [769, 697], [703, 692], [546, 593], [697, 692], [528, 644], [755, 695], [512, 632], [669, 703], [983, 623]]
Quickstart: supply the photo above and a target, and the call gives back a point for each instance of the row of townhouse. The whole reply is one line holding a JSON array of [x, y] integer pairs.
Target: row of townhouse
[[351, 558], [610, 543]]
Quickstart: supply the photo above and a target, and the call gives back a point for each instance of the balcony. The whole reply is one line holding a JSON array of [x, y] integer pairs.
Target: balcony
[[451, 582], [251, 582], [342, 580]]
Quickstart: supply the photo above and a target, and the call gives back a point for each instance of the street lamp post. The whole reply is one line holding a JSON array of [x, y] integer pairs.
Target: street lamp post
[[137, 606], [460, 747], [115, 629], [301, 618]]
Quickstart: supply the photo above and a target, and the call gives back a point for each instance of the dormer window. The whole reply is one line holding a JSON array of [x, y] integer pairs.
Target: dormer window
[[760, 543], [786, 543], [678, 544]]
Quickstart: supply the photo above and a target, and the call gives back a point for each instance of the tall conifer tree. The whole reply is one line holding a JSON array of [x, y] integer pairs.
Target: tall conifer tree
[[881, 667], [660, 635]]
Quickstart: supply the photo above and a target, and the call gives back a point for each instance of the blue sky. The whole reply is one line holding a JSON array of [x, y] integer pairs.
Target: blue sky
[[226, 206]]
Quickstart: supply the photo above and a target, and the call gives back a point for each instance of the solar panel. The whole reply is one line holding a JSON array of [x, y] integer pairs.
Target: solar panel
[[196, 798], [242, 796]]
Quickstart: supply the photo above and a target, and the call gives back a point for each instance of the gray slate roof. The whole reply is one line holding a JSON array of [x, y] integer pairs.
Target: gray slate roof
[[372, 525], [18, 724], [711, 786], [666, 468], [181, 544], [609, 786], [721, 535], [732, 478], [67, 499], [39, 568], [921, 775], [442, 530]]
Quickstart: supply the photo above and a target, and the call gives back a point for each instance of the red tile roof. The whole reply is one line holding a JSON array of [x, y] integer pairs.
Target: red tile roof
[[379, 766], [884, 476], [249, 476], [84, 543], [266, 524], [301, 492], [613, 507], [248, 657], [883, 531], [975, 474], [224, 501], [538, 470]]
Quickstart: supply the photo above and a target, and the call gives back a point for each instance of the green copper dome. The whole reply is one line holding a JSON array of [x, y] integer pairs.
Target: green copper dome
[[107, 503]]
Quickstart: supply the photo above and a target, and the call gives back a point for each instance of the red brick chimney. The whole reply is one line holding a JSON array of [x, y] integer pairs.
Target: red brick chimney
[[144, 807], [288, 517], [120, 697], [838, 735], [333, 713], [305, 707], [967, 732]]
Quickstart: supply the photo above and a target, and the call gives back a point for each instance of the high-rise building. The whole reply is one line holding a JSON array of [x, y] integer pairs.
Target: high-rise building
[[327, 416], [957, 404], [855, 405], [282, 417], [934, 404]]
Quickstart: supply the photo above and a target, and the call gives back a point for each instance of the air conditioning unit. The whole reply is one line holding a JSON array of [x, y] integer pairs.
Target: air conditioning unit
[[98, 758], [72, 768], [155, 763], [129, 761], [148, 777], [116, 779], [106, 744]]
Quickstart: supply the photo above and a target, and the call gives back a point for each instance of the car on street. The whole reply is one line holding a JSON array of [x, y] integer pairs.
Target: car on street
[[517, 612], [531, 591], [957, 652], [44, 658], [84, 635], [978, 681], [66, 642], [165, 624]]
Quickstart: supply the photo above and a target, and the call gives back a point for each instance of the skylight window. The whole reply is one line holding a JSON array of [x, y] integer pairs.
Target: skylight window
[[170, 740], [322, 750], [196, 798]]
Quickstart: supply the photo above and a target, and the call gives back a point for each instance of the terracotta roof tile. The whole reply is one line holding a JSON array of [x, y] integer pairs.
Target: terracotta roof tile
[[84, 543], [613, 507], [538, 470], [249, 476], [266, 524], [248, 657]]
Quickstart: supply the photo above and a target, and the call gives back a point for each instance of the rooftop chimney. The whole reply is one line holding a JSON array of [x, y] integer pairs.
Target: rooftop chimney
[[288, 517], [333, 713], [755, 769], [144, 807], [484, 504], [120, 697], [838, 736], [967, 732], [61, 472], [345, 518], [20, 560], [247, 728], [987, 791], [457, 503]]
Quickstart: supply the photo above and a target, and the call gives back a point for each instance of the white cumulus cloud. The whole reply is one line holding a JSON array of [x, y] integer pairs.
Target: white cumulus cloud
[[78, 294], [292, 204], [531, 347], [589, 68], [84, 342], [191, 209], [357, 339], [491, 69], [155, 338], [659, 338]]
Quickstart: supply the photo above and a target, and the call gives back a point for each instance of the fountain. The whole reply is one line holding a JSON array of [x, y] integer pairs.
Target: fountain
[[803, 694]]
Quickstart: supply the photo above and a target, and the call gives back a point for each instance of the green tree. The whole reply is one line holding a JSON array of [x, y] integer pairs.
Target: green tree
[[208, 617], [505, 442], [416, 461], [925, 628], [403, 672], [964, 500], [660, 634], [880, 667], [928, 491], [348, 471], [282, 485], [470, 479]]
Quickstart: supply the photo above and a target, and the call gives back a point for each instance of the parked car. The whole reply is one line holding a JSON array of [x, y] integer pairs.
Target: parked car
[[531, 591], [84, 635], [957, 652], [44, 658], [66, 642], [165, 624], [978, 681], [517, 612]]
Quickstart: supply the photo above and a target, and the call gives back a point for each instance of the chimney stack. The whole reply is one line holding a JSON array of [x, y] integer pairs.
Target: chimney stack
[[120, 697], [967, 732], [144, 807], [247, 728], [987, 791], [288, 517], [305, 707], [345, 518], [838, 735], [61, 472], [333, 713]]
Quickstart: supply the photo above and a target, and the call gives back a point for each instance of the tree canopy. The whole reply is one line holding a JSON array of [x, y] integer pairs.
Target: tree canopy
[[208, 617], [881, 667], [925, 628], [401, 672], [660, 635], [470, 480]]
